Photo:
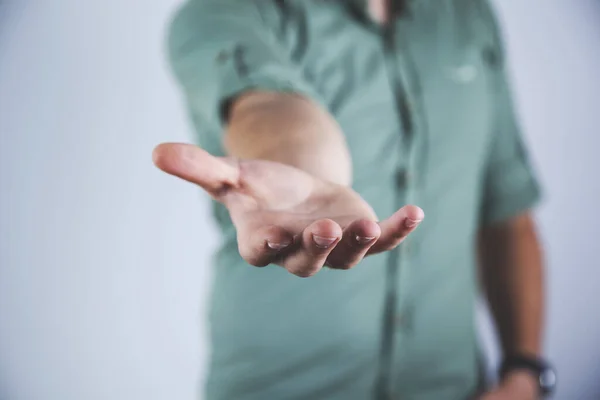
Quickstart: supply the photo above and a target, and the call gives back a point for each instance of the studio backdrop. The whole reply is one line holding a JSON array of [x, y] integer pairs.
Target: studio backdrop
[[104, 260]]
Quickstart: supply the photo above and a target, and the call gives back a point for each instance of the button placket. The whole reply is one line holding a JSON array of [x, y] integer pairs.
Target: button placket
[[403, 319]]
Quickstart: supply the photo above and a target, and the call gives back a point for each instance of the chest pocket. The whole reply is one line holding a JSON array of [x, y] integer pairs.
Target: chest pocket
[[458, 93], [456, 97]]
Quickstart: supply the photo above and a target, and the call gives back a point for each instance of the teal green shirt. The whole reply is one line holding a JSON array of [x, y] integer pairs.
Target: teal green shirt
[[428, 119]]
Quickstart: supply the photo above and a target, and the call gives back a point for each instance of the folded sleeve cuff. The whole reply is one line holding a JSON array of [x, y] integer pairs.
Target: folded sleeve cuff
[[509, 195], [274, 77]]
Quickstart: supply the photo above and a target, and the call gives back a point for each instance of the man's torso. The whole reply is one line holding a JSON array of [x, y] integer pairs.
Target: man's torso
[[415, 106]]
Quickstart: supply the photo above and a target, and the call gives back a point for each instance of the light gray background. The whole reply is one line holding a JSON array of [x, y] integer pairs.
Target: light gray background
[[104, 272]]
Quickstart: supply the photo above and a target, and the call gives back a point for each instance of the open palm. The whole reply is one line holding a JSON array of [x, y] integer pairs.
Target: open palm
[[285, 216]]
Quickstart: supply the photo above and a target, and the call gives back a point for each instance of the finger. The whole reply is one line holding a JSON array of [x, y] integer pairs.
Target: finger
[[397, 227], [316, 242], [358, 238], [191, 163], [265, 245]]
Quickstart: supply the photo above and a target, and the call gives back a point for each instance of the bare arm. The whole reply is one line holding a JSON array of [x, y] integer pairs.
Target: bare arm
[[291, 130], [288, 193], [286, 180], [513, 279]]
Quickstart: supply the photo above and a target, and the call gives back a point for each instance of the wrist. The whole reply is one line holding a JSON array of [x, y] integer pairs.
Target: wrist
[[522, 384], [526, 371]]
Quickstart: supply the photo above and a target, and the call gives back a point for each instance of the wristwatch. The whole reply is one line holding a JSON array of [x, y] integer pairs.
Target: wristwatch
[[539, 368]]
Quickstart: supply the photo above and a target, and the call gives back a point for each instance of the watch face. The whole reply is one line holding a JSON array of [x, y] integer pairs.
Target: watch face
[[547, 380]]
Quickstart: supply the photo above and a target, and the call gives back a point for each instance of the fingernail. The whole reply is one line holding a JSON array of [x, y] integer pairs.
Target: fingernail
[[323, 242], [364, 239], [277, 246], [411, 223]]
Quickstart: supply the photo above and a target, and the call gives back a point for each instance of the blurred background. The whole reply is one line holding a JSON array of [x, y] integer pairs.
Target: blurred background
[[104, 261]]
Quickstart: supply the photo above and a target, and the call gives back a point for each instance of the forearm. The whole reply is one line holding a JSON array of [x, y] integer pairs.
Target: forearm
[[512, 275], [291, 130]]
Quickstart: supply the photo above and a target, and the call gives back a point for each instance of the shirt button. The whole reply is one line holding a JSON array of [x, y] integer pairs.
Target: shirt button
[[402, 178], [404, 318], [491, 57], [410, 106], [222, 57], [402, 321]]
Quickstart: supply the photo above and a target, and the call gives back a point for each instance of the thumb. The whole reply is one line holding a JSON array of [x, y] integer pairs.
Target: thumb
[[191, 163]]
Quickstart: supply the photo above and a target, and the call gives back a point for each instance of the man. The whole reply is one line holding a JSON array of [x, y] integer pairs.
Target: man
[[321, 121]]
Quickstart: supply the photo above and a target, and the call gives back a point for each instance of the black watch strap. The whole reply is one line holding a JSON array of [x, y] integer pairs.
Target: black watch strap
[[546, 377]]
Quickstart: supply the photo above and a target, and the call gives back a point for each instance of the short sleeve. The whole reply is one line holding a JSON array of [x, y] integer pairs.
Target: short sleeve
[[220, 48], [510, 186]]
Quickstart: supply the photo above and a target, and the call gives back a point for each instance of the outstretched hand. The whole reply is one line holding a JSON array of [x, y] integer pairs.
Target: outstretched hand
[[286, 216]]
